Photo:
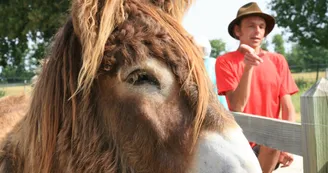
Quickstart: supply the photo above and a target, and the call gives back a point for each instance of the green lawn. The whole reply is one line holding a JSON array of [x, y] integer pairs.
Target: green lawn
[[304, 82], [16, 90], [296, 98], [308, 76]]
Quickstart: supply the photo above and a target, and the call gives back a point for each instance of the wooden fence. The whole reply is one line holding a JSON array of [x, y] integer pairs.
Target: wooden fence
[[308, 138]]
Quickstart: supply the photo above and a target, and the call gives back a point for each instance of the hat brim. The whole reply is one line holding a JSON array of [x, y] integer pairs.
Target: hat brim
[[269, 20]]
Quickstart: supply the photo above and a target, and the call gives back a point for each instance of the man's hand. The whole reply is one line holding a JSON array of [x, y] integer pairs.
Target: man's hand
[[250, 57], [286, 159]]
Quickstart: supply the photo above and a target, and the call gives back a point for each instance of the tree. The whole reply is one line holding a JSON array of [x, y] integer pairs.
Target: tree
[[306, 20], [265, 45], [307, 59], [218, 47], [28, 22], [278, 43], [15, 74]]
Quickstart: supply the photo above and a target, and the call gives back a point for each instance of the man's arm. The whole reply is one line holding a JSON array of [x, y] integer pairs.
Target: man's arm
[[239, 97], [287, 108]]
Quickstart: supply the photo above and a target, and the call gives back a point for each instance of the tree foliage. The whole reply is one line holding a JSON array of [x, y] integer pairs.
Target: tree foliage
[[301, 58], [265, 45], [15, 74], [25, 23], [278, 43], [218, 47], [306, 20]]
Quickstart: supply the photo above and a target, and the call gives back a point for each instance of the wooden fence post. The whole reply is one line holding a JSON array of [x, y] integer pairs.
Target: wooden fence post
[[314, 111]]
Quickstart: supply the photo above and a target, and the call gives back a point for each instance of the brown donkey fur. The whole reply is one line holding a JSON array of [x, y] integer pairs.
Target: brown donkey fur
[[12, 110], [123, 90]]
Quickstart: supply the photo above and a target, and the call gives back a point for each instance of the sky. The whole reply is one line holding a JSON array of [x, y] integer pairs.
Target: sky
[[210, 18]]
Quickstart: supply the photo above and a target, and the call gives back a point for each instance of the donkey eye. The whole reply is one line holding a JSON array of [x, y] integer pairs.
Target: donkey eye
[[141, 77]]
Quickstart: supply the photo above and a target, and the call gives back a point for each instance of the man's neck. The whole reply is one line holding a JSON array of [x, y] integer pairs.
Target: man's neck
[[257, 50]]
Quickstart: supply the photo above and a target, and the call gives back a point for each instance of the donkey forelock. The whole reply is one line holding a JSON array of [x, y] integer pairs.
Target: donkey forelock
[[95, 20]]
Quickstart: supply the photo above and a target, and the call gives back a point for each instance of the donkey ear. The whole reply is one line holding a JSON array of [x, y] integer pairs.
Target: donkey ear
[[175, 8]]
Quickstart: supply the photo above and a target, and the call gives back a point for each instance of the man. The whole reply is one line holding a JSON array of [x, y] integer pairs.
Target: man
[[209, 62], [255, 81]]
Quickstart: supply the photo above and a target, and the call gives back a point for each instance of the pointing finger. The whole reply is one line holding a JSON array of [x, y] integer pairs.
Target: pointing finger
[[246, 49], [253, 56]]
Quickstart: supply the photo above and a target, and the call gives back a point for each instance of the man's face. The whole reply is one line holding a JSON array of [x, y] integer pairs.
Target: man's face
[[251, 31]]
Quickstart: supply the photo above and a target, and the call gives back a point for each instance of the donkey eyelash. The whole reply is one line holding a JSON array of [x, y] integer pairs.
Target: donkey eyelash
[[141, 77]]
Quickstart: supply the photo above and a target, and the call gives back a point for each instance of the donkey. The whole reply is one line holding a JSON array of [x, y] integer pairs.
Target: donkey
[[124, 90]]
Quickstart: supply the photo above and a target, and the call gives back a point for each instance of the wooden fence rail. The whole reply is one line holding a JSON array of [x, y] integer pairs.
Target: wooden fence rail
[[308, 138], [279, 134]]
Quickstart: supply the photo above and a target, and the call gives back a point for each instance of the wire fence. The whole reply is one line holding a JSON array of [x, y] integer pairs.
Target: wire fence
[[310, 75], [15, 87], [308, 67]]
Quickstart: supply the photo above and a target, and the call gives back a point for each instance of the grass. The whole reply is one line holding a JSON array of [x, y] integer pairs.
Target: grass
[[308, 76], [296, 99], [304, 81], [2, 93], [15, 90]]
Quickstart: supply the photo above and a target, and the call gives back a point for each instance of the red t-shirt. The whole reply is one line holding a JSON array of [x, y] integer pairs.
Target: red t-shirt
[[270, 81]]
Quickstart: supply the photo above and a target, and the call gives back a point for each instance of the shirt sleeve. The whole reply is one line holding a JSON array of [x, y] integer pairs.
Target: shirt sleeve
[[288, 85], [225, 76]]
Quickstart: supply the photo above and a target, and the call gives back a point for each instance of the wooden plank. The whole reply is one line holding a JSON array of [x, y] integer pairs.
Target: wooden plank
[[274, 133], [314, 111]]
